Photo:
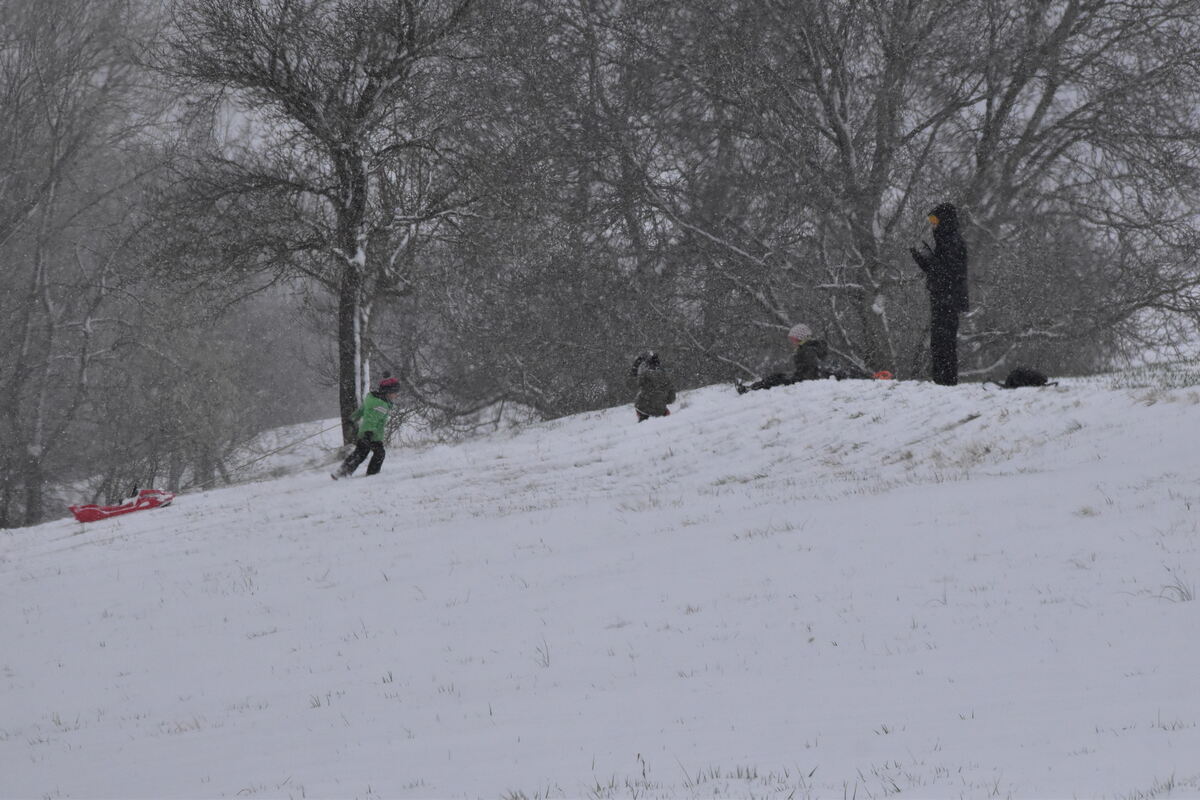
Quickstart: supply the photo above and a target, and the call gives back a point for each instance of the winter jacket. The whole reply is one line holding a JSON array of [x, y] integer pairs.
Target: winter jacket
[[945, 266], [808, 360], [655, 391], [372, 416]]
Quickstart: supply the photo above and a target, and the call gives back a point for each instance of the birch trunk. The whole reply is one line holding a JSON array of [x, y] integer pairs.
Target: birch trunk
[[353, 308]]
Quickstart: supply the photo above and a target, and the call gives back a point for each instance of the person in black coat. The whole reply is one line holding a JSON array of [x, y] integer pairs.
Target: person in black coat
[[655, 389], [945, 268]]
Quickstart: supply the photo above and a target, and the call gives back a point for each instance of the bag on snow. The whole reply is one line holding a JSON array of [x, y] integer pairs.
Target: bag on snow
[[1025, 376]]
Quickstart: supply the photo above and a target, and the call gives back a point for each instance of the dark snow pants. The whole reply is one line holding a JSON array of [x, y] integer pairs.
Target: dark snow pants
[[943, 344], [361, 448], [773, 380]]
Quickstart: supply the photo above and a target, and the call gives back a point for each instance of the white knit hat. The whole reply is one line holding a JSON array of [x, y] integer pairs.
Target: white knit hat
[[799, 333]]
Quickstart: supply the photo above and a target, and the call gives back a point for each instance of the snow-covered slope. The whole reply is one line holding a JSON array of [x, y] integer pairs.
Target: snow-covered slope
[[826, 590]]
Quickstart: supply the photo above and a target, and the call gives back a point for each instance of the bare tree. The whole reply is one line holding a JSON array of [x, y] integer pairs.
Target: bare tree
[[563, 272], [69, 85], [699, 175], [341, 100], [841, 123]]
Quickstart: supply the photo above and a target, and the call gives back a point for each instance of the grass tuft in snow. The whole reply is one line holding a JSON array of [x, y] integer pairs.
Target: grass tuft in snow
[[1178, 590]]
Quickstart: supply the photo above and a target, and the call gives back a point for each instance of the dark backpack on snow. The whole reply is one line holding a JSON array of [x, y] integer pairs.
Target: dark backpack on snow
[[1024, 376]]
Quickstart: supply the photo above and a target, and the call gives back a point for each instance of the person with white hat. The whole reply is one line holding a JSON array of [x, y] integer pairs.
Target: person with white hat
[[808, 356]]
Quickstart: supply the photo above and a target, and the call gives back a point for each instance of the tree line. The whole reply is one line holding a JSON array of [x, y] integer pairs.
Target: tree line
[[218, 215]]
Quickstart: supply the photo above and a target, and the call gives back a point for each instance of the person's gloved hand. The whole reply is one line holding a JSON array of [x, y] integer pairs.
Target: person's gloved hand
[[637, 362]]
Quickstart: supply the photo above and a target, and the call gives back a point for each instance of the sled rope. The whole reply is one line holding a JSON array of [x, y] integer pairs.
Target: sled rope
[[241, 467]]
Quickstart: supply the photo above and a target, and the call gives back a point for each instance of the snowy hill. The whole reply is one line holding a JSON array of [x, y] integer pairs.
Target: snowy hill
[[845, 589]]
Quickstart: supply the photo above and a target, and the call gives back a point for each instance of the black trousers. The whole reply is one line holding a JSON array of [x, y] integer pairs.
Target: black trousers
[[773, 380], [362, 448], [943, 344]]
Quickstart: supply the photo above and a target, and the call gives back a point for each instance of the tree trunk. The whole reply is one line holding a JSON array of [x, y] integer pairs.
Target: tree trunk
[[175, 467], [35, 485], [876, 347], [349, 349], [352, 310], [8, 486]]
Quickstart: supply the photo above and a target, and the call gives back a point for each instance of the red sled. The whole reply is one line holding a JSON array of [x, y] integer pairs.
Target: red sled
[[146, 498]]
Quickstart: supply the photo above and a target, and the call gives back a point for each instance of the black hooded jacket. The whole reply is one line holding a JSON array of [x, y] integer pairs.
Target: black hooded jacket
[[655, 390], [809, 359], [945, 266]]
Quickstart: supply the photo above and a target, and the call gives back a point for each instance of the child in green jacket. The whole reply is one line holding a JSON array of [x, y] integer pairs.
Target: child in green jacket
[[372, 418]]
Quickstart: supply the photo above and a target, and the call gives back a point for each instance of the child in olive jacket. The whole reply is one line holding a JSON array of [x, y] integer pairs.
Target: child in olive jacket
[[655, 389], [372, 417]]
